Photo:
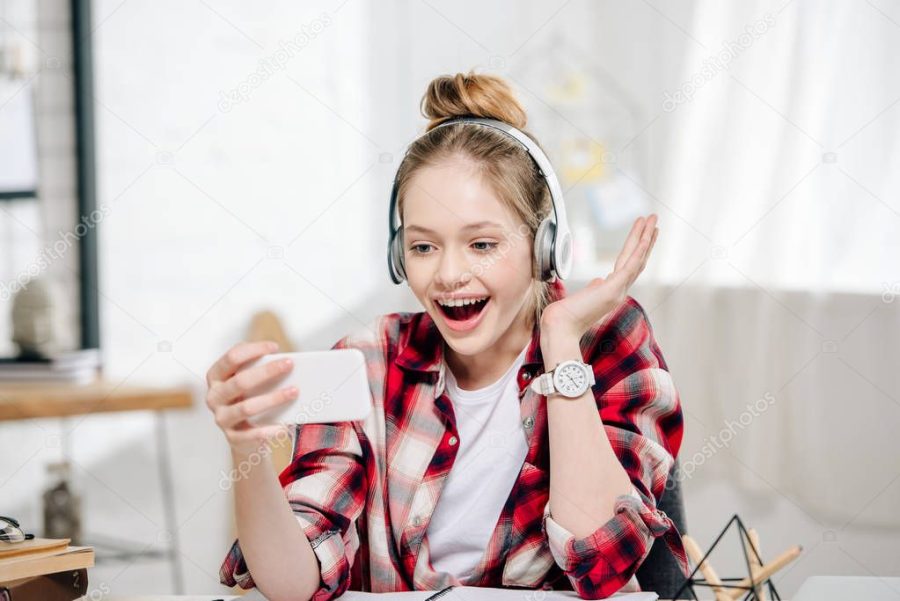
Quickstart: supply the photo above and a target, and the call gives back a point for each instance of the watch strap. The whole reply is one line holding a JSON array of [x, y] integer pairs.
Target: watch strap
[[543, 384]]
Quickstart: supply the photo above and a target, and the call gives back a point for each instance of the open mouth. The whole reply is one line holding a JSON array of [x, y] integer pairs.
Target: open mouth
[[465, 312]]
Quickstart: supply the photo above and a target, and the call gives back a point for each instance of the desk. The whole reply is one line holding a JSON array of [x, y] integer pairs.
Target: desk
[[815, 588], [457, 594], [165, 598], [29, 400], [849, 588], [34, 400]]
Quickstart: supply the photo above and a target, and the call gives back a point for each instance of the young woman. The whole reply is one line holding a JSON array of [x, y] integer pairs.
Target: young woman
[[465, 473]]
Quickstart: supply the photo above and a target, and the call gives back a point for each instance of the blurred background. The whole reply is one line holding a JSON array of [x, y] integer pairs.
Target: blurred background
[[169, 170]]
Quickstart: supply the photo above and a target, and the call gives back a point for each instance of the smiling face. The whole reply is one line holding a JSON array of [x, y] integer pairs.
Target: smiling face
[[461, 241]]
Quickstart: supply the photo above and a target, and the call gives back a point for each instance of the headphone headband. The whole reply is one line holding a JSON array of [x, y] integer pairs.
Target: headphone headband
[[555, 251]]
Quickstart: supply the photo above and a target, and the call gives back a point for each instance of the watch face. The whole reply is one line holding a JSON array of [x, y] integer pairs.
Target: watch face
[[570, 380]]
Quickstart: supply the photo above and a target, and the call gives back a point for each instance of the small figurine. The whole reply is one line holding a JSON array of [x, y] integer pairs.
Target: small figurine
[[35, 320]]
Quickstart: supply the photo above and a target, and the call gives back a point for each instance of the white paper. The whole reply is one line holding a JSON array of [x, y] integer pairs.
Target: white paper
[[472, 593]]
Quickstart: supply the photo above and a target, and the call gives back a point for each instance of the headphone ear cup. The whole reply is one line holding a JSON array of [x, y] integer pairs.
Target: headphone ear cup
[[398, 269], [562, 255], [543, 246]]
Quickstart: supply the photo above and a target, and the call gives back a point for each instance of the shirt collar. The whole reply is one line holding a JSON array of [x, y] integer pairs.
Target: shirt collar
[[421, 347]]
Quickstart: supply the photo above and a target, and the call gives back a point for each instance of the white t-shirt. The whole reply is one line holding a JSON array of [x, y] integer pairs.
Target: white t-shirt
[[492, 449]]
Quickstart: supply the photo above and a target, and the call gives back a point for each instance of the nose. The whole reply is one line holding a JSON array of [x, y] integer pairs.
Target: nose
[[453, 270]]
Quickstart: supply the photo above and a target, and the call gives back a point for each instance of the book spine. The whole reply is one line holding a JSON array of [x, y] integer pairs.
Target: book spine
[[62, 586]]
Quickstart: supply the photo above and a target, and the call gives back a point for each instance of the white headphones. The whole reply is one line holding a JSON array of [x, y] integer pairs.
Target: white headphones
[[552, 241]]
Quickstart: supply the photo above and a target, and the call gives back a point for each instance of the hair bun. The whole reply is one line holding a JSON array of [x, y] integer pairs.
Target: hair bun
[[471, 95]]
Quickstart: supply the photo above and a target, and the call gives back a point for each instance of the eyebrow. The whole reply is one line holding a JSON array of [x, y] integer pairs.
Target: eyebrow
[[471, 226]]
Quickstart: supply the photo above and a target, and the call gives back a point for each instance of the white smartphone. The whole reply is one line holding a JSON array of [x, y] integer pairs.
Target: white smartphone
[[333, 387]]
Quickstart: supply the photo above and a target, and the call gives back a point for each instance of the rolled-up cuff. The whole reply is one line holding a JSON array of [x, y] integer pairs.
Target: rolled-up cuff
[[233, 571], [633, 520], [328, 547]]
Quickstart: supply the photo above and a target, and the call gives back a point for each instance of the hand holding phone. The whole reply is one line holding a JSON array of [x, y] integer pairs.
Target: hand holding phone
[[250, 387], [226, 396], [333, 387]]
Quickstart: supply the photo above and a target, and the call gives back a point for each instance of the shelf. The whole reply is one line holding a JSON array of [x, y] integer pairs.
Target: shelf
[[29, 400]]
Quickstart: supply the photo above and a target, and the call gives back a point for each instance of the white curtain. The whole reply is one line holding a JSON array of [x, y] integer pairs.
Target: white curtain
[[779, 210], [777, 280]]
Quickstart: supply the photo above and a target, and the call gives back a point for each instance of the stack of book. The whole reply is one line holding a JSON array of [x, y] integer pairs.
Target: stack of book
[[72, 367], [44, 569]]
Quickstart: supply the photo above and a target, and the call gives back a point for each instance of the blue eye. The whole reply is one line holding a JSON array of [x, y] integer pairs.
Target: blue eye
[[423, 249], [490, 246]]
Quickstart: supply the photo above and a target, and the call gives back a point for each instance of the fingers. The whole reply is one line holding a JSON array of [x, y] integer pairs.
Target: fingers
[[231, 415], [640, 233], [639, 260], [643, 243], [226, 385], [649, 249], [252, 437], [244, 381], [237, 356], [626, 273], [630, 243]]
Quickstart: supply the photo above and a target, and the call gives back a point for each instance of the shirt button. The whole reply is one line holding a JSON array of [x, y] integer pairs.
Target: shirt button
[[528, 422], [417, 521], [452, 441]]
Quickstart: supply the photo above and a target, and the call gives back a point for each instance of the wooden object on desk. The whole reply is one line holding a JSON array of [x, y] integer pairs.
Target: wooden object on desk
[[29, 400], [33, 546], [767, 570], [265, 325], [696, 554], [759, 573], [753, 555], [38, 564]]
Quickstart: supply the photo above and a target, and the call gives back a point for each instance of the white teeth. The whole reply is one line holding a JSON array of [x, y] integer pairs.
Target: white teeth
[[460, 303]]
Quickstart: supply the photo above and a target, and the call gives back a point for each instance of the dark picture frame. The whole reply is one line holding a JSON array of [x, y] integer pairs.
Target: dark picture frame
[[86, 179]]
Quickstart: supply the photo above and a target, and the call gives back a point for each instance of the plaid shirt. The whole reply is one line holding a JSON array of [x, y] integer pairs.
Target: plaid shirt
[[364, 491]]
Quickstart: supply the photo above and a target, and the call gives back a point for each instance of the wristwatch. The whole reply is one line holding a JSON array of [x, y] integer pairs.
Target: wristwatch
[[571, 379]]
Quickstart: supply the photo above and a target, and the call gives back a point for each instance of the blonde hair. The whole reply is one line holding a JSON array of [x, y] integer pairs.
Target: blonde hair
[[502, 161]]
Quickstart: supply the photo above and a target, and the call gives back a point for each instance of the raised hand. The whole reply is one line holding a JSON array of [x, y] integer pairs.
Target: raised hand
[[574, 314]]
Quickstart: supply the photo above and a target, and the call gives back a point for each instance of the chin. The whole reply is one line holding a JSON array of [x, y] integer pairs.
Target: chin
[[468, 346]]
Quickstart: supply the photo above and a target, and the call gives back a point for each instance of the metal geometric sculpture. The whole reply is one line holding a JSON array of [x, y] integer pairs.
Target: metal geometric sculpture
[[756, 586]]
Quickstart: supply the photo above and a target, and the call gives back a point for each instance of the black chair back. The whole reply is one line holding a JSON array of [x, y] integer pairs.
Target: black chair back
[[660, 572]]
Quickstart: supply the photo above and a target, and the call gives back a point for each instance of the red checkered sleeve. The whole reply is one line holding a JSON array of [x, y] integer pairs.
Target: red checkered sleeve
[[325, 485], [642, 417]]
